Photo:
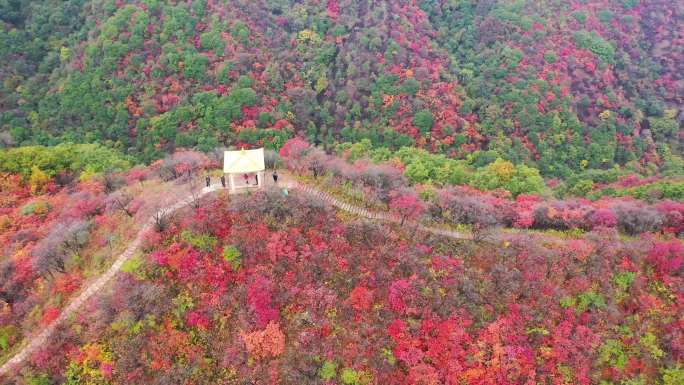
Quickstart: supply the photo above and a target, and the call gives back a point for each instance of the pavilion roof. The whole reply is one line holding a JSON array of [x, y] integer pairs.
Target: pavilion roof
[[241, 161]]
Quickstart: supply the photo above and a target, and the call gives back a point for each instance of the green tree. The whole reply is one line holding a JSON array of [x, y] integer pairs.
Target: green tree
[[233, 256], [664, 127], [213, 41], [424, 121], [581, 188], [195, 65], [244, 96], [328, 371], [410, 86], [673, 376], [241, 32], [526, 180], [417, 172]]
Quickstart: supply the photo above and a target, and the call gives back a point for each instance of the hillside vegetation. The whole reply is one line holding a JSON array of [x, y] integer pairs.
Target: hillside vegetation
[[268, 289], [274, 288], [544, 138], [561, 86]]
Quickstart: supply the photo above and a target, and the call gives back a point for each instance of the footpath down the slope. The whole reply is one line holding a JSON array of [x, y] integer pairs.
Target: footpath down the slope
[[42, 337]]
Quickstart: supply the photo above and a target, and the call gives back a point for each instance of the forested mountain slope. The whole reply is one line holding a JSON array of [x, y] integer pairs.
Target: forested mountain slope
[[281, 288], [271, 289], [560, 85]]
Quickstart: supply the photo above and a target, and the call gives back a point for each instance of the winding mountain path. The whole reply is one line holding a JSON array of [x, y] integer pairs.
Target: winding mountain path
[[377, 215], [40, 339]]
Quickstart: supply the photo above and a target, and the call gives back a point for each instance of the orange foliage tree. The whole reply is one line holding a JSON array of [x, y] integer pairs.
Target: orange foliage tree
[[266, 343]]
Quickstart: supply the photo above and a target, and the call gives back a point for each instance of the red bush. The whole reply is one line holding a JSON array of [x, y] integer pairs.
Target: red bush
[[602, 218], [361, 298], [260, 298], [406, 204]]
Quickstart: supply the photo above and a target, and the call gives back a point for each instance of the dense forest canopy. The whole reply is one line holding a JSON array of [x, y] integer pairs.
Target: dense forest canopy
[[561, 86], [471, 192], [268, 288]]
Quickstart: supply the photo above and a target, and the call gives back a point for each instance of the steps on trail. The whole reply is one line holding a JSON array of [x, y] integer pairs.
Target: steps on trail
[[377, 215]]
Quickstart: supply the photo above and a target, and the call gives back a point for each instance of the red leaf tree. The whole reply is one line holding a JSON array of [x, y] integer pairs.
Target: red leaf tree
[[407, 204]]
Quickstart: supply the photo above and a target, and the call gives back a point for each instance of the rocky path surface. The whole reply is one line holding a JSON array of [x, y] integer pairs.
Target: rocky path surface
[[37, 341]]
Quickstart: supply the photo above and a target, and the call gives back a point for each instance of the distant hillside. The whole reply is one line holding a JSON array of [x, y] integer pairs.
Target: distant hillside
[[559, 85]]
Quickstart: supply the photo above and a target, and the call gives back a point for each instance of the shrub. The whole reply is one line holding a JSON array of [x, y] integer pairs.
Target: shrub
[[233, 256], [244, 96], [410, 86], [667, 256], [38, 180], [624, 279], [550, 57], [602, 218], [612, 352], [272, 159], [121, 200], [212, 41], [383, 179], [517, 180], [471, 210], [7, 335], [314, 161], [580, 16], [85, 204], [561, 215], [650, 342], [350, 376], [202, 242], [36, 207], [673, 216], [181, 164], [41, 379], [407, 204], [267, 343], [61, 158], [629, 4], [64, 239], [590, 300], [424, 121], [673, 376], [293, 151], [633, 219], [328, 371], [581, 188]]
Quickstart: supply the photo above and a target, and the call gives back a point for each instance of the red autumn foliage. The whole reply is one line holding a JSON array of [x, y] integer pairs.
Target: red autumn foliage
[[406, 204], [267, 343], [260, 298], [49, 315], [384, 301], [361, 298]]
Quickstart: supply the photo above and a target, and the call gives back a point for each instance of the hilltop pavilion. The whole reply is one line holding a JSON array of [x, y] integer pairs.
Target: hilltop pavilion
[[247, 164]]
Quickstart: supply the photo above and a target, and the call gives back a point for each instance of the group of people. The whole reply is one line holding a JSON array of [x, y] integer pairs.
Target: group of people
[[246, 178], [207, 179]]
